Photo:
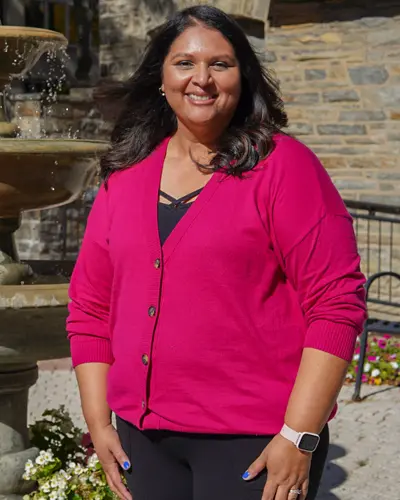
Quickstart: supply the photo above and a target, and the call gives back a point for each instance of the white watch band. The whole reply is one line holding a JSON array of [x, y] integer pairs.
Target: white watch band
[[290, 434]]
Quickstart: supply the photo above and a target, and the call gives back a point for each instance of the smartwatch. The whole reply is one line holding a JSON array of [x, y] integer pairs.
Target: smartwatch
[[304, 441]]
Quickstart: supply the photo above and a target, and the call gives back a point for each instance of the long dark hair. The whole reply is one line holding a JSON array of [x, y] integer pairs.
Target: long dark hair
[[145, 118]]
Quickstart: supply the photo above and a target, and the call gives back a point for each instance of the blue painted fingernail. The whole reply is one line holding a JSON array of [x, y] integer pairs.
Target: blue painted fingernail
[[126, 465], [246, 475]]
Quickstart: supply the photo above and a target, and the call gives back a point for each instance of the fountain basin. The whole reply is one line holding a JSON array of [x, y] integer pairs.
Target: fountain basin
[[32, 319], [21, 47], [43, 173]]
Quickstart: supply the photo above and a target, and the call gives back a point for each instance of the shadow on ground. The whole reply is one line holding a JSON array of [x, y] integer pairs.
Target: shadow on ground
[[334, 475]]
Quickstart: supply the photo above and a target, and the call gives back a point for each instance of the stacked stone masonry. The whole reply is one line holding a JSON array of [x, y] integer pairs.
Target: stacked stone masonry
[[341, 85], [340, 82], [126, 26]]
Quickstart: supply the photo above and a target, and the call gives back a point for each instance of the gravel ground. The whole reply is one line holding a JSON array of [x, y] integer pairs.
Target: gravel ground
[[365, 437]]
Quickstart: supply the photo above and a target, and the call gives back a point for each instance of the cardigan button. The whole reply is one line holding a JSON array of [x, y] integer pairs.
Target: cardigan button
[[152, 311], [145, 359], [157, 263]]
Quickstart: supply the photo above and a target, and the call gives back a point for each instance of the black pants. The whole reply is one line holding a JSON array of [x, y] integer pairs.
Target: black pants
[[178, 466]]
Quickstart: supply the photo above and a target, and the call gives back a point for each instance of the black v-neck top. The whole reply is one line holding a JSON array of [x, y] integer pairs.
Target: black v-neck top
[[170, 214]]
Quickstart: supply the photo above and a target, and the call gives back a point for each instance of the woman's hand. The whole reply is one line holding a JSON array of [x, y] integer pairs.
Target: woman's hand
[[109, 450], [287, 469]]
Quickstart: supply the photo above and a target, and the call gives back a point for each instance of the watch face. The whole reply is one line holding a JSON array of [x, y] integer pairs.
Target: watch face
[[308, 442]]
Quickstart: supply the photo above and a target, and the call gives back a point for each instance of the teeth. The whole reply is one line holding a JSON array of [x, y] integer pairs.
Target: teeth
[[200, 97]]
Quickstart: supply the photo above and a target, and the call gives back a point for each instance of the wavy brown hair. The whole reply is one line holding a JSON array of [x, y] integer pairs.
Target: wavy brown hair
[[144, 118]]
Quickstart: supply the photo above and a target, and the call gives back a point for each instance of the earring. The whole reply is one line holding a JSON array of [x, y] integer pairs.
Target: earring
[[161, 91]]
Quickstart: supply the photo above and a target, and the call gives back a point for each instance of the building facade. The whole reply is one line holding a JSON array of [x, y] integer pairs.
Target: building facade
[[338, 64]]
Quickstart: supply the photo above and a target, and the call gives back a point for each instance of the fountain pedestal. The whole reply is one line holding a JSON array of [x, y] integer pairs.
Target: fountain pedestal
[[15, 381], [34, 174], [32, 319]]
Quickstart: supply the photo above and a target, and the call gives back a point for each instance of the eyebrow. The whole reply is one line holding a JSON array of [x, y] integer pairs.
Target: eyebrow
[[218, 56]]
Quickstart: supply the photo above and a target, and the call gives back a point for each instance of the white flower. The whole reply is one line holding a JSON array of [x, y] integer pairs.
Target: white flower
[[48, 456], [64, 474], [356, 357], [77, 469], [349, 375], [92, 462], [367, 367], [57, 495], [375, 372], [394, 364], [45, 487], [28, 466], [54, 482]]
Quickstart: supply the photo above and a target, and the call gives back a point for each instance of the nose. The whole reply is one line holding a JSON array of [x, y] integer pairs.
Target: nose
[[202, 75]]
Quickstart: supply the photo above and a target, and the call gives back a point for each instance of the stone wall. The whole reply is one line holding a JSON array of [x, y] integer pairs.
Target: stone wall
[[341, 85], [291, 12], [126, 26], [340, 81]]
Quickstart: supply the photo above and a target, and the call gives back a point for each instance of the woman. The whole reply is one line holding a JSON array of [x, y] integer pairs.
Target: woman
[[217, 326]]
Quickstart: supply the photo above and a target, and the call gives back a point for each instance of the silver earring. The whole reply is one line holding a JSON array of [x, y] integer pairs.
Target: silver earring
[[161, 91]]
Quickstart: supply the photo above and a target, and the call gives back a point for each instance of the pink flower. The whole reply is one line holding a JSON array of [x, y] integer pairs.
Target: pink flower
[[387, 336], [393, 356], [87, 441], [364, 378], [357, 351], [372, 358], [382, 344], [90, 452]]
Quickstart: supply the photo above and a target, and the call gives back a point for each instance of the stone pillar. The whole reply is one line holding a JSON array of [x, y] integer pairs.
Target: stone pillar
[[14, 13], [84, 16], [15, 381]]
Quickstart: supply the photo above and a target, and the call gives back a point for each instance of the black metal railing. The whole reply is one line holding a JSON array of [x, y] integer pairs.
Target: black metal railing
[[377, 229]]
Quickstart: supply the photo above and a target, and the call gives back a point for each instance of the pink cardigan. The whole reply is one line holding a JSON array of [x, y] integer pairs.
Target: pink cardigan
[[206, 334]]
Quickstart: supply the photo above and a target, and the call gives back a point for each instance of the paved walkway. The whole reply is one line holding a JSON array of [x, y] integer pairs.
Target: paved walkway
[[364, 459], [364, 456]]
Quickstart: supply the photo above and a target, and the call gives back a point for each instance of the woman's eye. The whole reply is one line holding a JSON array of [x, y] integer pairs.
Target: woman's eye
[[184, 63], [220, 65]]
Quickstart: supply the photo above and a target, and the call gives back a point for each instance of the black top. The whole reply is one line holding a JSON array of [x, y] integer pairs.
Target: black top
[[170, 214]]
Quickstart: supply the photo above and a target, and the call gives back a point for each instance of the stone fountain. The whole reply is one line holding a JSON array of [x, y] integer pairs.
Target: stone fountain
[[34, 174]]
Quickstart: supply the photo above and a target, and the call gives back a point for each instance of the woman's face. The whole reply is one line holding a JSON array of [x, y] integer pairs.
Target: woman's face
[[201, 79]]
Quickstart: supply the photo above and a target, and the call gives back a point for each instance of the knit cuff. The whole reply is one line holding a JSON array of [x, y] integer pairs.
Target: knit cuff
[[85, 349], [334, 338]]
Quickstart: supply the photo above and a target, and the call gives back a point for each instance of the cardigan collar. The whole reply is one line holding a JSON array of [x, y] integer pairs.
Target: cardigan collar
[[152, 186]]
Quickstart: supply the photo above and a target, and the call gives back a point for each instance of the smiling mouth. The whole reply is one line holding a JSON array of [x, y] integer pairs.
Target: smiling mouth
[[201, 98]]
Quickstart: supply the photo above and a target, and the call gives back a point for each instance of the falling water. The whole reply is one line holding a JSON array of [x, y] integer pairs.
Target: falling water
[[33, 115]]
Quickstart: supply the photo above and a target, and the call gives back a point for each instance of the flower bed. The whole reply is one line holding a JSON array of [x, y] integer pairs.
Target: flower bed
[[381, 363], [67, 467]]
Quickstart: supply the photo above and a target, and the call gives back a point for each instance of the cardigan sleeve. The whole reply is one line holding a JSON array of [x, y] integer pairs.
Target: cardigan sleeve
[[90, 291], [314, 237]]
